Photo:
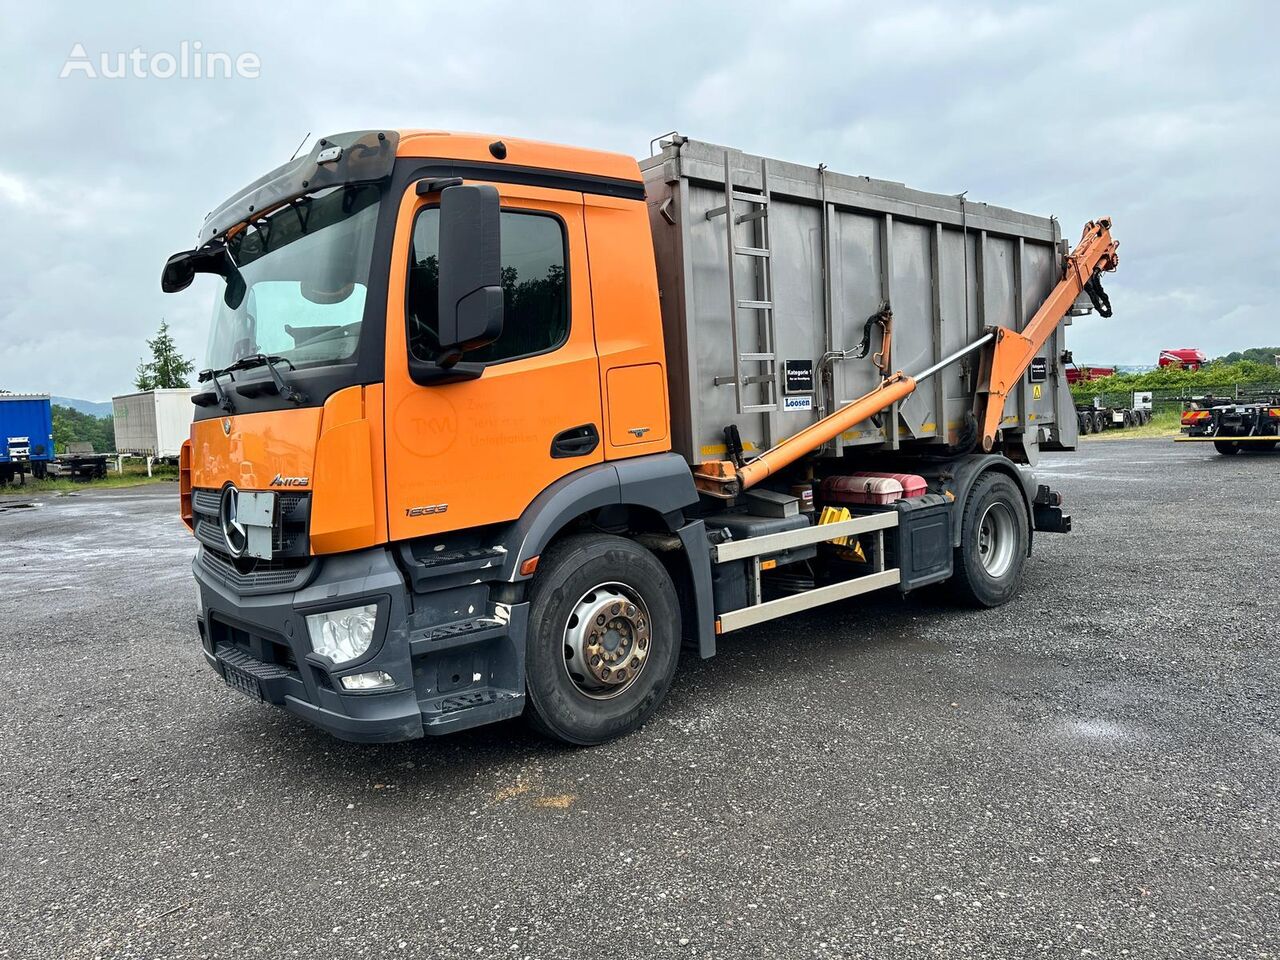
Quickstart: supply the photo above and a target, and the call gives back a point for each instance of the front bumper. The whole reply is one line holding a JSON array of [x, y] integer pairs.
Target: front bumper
[[451, 668]]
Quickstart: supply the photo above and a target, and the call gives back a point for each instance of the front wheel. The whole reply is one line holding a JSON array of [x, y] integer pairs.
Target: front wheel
[[994, 537], [1226, 448], [604, 639]]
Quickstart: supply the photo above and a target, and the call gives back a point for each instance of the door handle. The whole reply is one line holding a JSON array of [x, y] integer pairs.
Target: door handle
[[575, 442]]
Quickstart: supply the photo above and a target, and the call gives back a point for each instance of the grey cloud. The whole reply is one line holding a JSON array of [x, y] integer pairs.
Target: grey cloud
[[1159, 114]]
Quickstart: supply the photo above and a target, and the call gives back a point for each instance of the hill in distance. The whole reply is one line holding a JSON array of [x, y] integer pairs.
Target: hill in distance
[[92, 408]]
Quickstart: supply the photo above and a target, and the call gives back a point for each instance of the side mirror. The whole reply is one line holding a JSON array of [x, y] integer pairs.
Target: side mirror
[[179, 271], [181, 268], [470, 270]]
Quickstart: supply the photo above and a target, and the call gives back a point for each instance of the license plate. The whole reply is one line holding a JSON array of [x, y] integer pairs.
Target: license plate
[[242, 680]]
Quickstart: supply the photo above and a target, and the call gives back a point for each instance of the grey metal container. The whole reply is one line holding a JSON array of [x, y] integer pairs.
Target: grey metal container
[[830, 250]]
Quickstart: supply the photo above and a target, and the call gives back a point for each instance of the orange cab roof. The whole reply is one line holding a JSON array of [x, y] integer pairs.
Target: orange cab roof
[[521, 153]]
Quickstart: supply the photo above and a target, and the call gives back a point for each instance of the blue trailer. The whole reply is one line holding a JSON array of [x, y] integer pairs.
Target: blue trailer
[[26, 435]]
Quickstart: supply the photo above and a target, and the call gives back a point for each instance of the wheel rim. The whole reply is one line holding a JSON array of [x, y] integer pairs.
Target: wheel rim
[[607, 640], [997, 539]]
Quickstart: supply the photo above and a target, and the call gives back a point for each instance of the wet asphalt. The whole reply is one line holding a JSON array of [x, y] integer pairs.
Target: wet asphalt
[[1091, 770]]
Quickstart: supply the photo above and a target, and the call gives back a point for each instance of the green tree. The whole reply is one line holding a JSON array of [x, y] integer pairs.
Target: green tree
[[1264, 355], [167, 369], [72, 426]]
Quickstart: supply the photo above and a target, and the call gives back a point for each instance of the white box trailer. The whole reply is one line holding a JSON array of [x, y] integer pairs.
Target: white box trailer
[[153, 423]]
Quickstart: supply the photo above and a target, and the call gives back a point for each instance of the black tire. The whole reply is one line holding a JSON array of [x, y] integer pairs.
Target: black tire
[[984, 575], [598, 567], [1099, 423], [1226, 448], [1086, 423]]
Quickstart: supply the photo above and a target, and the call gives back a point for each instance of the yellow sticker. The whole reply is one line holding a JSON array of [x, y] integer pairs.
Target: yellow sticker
[[1035, 392]]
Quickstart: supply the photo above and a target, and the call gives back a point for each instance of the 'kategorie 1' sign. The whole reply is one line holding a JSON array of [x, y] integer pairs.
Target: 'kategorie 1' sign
[[798, 376], [1038, 372]]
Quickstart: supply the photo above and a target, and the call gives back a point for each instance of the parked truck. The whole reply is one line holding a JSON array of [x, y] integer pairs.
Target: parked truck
[[496, 426], [1244, 422], [152, 423], [26, 435]]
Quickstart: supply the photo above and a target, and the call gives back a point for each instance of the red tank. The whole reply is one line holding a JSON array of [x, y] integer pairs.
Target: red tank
[[876, 489]]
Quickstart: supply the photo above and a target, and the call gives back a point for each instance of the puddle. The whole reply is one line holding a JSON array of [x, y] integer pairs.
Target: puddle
[[17, 506]]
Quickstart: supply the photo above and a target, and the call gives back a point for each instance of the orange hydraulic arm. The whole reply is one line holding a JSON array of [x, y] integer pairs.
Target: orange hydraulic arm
[[1008, 361], [1002, 369]]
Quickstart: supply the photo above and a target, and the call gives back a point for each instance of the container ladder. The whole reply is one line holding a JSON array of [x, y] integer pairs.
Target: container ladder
[[762, 306]]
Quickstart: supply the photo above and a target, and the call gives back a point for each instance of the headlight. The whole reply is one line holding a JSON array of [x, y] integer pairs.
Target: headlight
[[343, 635]]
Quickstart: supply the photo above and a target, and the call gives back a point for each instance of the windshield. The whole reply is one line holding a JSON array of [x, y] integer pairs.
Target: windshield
[[306, 271]]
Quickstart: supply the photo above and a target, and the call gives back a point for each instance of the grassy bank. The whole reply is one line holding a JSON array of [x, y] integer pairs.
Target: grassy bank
[[1165, 424], [135, 474]]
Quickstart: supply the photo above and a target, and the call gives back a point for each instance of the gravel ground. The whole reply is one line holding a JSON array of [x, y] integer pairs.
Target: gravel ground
[[1090, 770]]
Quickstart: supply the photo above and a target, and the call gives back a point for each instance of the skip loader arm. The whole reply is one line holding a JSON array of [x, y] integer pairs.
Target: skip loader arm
[[1002, 368], [1004, 365]]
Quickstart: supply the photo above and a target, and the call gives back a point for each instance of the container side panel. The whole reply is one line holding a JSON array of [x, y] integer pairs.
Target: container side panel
[[948, 267], [911, 296], [859, 290], [796, 240]]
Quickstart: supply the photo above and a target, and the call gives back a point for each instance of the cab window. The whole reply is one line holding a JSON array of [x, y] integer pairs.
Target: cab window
[[534, 283]]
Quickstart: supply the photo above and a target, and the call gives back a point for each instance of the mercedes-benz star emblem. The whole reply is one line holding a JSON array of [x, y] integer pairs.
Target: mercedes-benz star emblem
[[233, 531], [226, 426]]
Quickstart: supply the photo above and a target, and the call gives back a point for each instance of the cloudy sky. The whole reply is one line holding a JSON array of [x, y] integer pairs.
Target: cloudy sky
[[1162, 115]]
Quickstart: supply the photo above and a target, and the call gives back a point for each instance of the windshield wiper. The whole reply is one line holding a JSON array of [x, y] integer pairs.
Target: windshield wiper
[[253, 360], [221, 396]]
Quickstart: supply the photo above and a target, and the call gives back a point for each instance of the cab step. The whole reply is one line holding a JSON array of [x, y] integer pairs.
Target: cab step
[[469, 708], [456, 634], [448, 563]]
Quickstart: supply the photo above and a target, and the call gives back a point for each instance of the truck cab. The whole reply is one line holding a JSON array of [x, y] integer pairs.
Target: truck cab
[[389, 448]]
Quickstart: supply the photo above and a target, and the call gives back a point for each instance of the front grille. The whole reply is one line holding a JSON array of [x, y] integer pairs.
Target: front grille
[[256, 576], [206, 501], [290, 524]]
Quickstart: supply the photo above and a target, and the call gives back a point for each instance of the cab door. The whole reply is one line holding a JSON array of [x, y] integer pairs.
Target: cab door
[[478, 451]]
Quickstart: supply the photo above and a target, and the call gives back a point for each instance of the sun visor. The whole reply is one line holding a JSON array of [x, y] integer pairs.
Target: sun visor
[[358, 157]]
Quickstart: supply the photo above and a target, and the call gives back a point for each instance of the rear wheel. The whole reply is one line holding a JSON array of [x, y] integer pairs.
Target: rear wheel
[[994, 535], [1226, 448], [1086, 423], [1099, 422], [604, 639]]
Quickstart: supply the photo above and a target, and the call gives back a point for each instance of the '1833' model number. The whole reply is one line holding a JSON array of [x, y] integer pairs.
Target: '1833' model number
[[426, 511]]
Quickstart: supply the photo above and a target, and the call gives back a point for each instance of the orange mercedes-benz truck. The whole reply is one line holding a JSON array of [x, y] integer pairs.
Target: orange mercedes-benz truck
[[493, 427]]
